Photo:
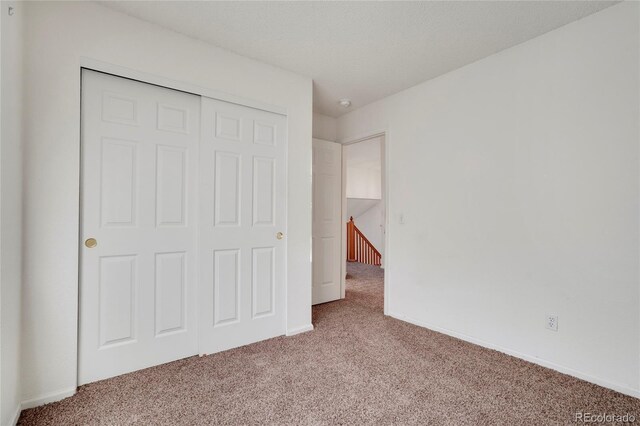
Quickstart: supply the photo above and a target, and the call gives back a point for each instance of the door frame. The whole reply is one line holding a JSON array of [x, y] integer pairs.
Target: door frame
[[384, 133], [156, 80]]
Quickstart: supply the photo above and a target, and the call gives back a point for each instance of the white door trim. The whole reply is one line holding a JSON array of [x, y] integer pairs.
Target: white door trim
[[144, 77], [120, 71], [385, 191]]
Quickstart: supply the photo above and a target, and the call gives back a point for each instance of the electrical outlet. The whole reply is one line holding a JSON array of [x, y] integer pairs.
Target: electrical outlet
[[552, 322]]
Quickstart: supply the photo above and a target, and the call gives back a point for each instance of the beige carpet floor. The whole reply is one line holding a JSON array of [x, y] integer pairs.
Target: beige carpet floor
[[356, 367]]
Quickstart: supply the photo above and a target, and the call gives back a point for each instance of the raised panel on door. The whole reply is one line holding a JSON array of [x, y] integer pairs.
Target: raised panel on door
[[120, 109], [242, 209], [226, 284], [172, 118], [327, 224], [171, 185], [117, 300], [264, 191], [264, 133], [227, 126], [139, 187], [171, 292], [263, 281], [226, 201], [119, 166]]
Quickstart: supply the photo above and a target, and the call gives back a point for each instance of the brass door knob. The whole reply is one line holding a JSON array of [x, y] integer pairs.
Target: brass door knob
[[91, 242], [279, 235]]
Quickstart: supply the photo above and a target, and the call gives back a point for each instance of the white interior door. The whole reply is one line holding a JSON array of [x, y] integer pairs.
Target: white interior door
[[327, 222], [139, 173], [242, 210]]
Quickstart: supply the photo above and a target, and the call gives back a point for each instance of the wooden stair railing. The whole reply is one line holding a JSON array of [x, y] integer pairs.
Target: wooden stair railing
[[359, 248]]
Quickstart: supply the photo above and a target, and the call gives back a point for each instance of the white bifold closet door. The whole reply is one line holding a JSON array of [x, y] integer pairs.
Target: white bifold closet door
[[138, 286], [242, 225]]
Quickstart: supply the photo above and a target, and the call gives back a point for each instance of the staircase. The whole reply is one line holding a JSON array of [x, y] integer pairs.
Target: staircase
[[359, 248]]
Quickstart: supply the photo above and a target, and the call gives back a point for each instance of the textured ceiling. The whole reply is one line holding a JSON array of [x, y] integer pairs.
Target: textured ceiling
[[362, 50]]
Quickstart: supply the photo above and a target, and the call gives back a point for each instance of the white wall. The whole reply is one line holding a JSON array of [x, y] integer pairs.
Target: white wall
[[358, 206], [324, 127], [518, 179], [58, 35], [363, 163], [10, 209], [364, 182]]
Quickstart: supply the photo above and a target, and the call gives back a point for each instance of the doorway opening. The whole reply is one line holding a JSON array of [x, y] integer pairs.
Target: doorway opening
[[364, 208], [349, 220]]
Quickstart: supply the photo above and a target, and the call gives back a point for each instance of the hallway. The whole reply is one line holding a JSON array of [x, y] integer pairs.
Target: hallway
[[356, 367]]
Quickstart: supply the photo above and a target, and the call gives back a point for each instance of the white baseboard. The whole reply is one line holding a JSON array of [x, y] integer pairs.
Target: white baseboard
[[16, 416], [548, 364], [303, 329], [46, 399]]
